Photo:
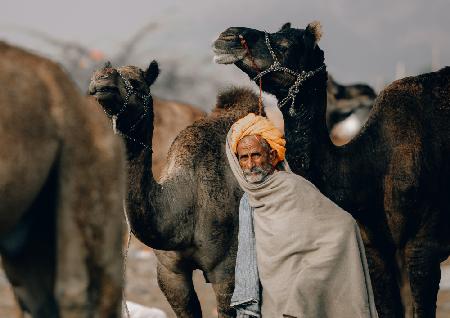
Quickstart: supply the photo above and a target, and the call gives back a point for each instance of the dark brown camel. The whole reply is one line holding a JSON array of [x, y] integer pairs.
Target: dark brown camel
[[190, 216], [393, 177], [61, 188]]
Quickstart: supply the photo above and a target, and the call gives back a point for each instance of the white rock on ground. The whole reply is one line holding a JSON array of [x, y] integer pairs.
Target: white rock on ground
[[139, 311]]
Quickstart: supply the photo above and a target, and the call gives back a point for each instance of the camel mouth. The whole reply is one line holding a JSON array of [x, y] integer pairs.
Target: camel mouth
[[227, 56], [104, 90], [228, 49]]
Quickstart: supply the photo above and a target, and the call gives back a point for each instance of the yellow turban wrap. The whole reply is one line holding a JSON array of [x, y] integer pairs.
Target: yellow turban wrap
[[258, 125]]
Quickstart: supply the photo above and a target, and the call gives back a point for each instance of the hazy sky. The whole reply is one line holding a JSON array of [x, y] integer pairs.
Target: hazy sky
[[363, 40]]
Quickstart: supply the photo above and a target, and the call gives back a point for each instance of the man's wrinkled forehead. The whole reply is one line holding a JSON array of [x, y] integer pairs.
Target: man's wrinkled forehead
[[250, 140], [251, 143]]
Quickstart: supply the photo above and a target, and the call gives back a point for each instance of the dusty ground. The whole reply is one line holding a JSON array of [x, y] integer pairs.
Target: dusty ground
[[143, 288]]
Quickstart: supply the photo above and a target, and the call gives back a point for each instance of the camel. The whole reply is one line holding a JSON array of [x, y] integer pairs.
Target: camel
[[348, 107], [392, 177], [61, 184], [343, 100], [190, 216]]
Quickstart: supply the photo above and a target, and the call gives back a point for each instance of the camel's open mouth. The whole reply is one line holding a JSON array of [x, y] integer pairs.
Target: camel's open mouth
[[103, 90], [226, 58], [226, 52]]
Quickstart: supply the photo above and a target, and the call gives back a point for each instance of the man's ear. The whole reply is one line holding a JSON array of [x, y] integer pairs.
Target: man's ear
[[273, 156]]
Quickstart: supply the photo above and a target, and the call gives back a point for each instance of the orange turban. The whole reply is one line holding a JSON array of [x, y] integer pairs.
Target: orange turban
[[258, 125]]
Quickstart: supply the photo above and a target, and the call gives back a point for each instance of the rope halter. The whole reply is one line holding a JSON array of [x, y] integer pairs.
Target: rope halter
[[299, 77], [146, 98]]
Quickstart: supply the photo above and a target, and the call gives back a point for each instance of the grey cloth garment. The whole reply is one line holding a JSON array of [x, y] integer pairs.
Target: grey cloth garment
[[247, 292], [310, 257]]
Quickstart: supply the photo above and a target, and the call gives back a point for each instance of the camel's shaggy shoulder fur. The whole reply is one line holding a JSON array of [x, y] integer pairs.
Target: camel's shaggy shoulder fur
[[206, 135]]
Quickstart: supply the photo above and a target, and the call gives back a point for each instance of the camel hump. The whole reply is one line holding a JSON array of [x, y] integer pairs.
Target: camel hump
[[237, 97]]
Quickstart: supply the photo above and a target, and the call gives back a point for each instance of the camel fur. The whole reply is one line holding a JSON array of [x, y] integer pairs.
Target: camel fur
[[171, 118]]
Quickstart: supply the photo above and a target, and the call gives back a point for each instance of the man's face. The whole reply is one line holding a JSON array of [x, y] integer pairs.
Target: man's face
[[256, 158]]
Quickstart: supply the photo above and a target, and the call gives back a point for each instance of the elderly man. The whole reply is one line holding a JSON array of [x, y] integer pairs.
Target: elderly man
[[302, 249]]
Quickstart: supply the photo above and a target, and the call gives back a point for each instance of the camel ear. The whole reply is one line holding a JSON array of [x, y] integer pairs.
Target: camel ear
[[151, 73], [285, 26], [312, 35]]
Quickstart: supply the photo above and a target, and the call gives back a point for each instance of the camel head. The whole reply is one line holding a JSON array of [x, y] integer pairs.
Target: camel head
[[295, 49], [124, 87]]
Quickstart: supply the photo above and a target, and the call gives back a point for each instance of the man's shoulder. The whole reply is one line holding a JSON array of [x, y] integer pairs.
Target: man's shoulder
[[293, 179]]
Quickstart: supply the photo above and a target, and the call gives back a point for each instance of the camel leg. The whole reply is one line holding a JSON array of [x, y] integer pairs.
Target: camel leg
[[90, 229], [175, 281], [224, 291], [384, 283], [222, 281], [32, 284], [29, 255], [405, 286], [31, 269], [423, 266]]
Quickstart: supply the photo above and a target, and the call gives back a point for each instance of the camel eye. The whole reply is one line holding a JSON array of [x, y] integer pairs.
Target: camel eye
[[284, 44], [101, 76]]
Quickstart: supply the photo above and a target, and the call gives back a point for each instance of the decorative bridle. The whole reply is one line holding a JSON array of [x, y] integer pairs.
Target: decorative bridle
[[276, 66], [146, 98]]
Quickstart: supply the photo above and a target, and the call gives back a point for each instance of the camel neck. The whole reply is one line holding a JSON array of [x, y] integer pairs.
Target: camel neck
[[142, 206], [144, 211], [308, 141], [136, 128]]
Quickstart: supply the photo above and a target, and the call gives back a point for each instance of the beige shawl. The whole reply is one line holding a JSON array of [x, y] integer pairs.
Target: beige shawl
[[310, 255]]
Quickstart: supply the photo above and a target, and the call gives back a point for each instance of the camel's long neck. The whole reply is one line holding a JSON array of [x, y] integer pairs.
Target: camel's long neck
[[145, 211], [308, 142]]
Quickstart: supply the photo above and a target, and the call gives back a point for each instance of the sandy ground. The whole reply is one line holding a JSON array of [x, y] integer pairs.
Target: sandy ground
[[142, 287]]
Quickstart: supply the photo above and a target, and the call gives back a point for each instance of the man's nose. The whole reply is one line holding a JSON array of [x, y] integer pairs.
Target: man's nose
[[251, 163]]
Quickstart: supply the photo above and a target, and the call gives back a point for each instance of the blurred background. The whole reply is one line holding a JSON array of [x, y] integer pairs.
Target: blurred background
[[371, 42]]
